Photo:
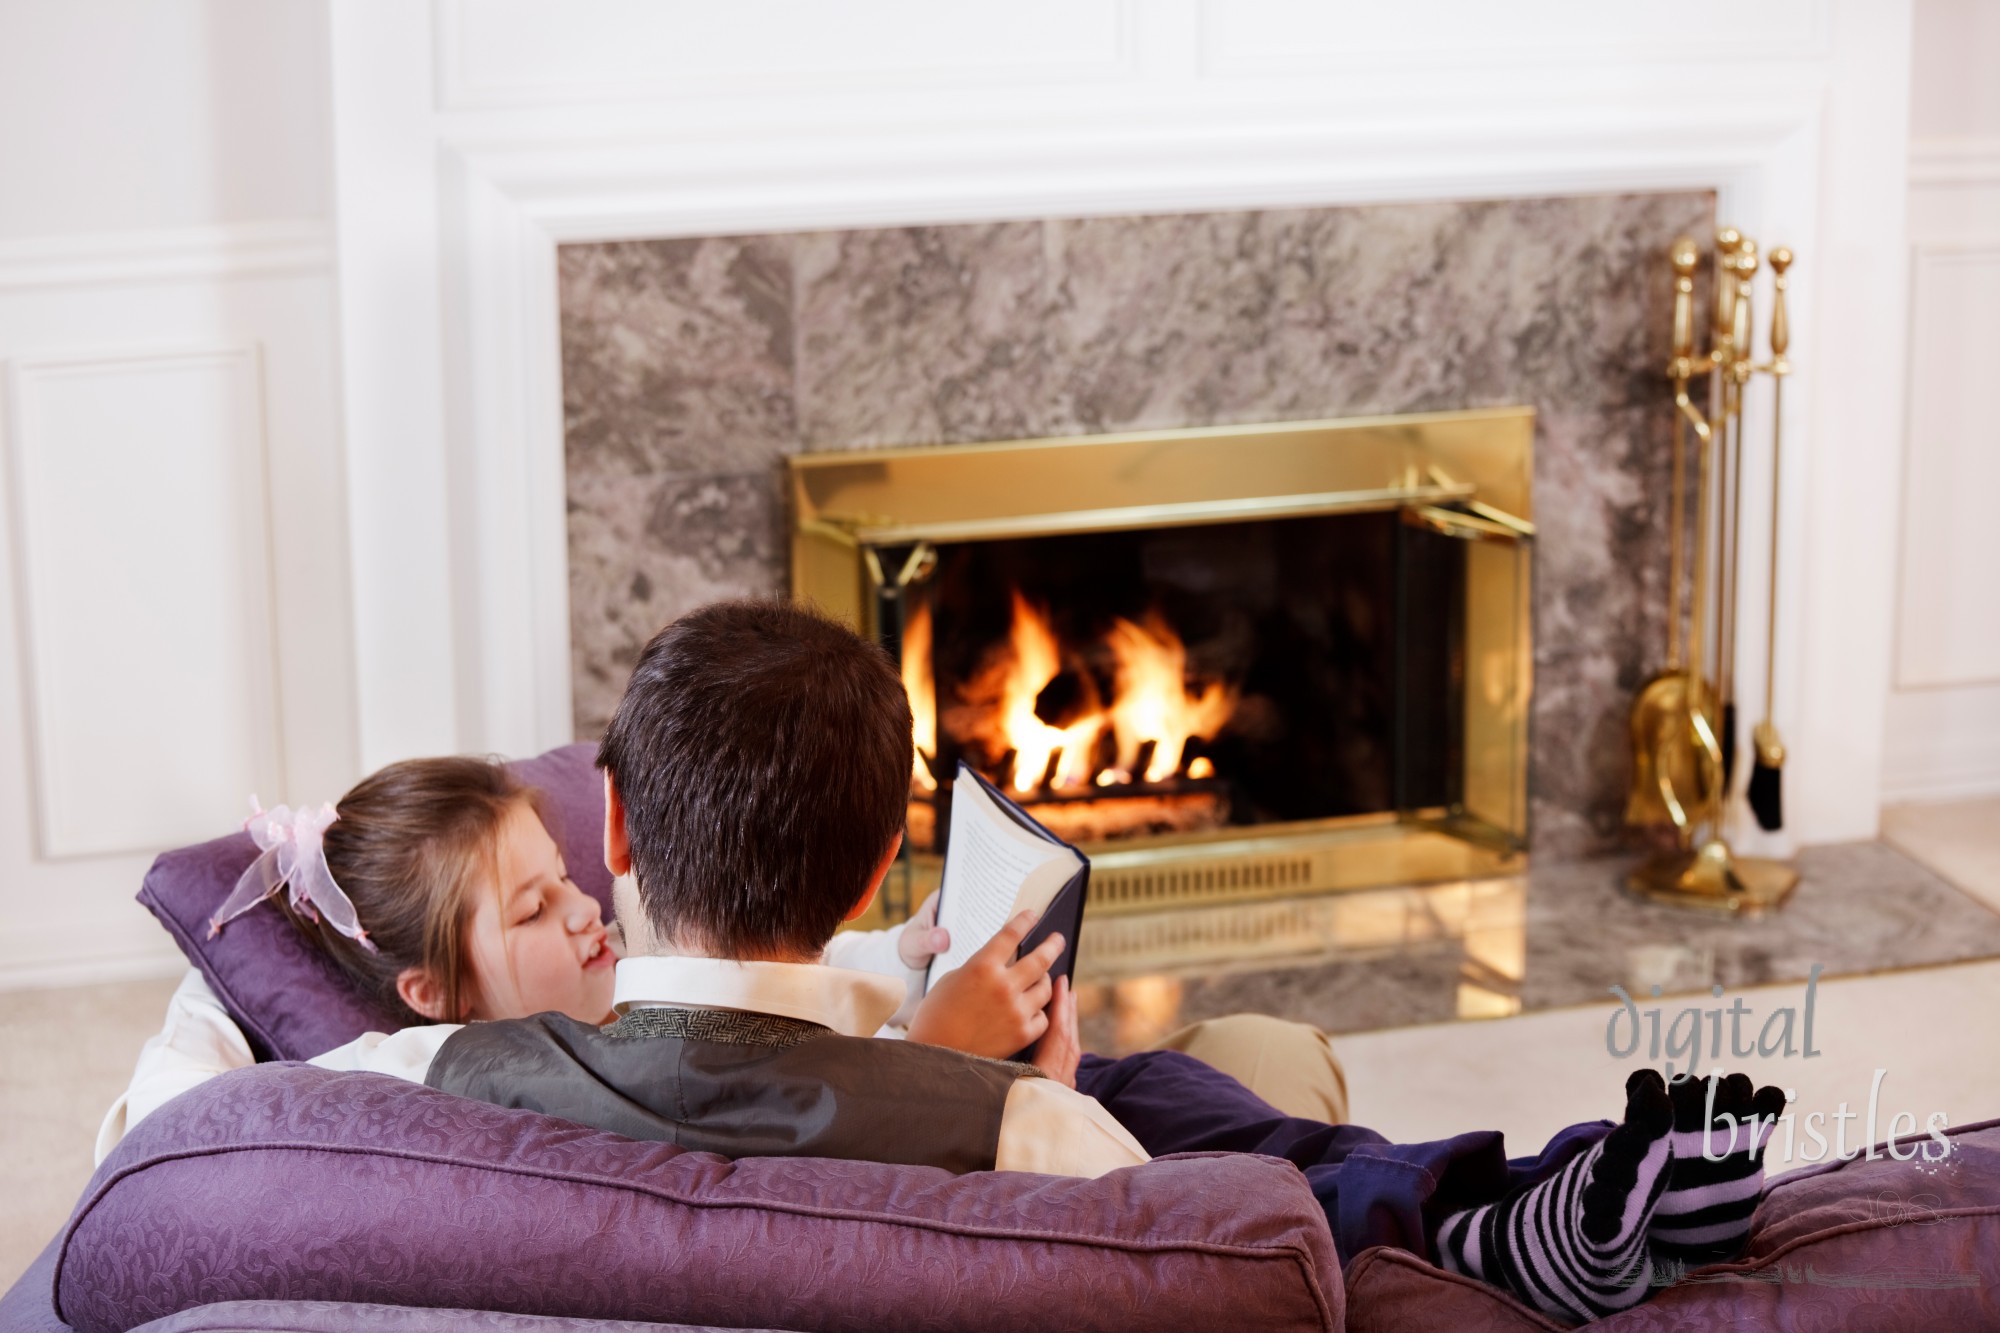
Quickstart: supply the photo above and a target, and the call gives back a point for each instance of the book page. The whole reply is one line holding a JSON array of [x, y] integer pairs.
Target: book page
[[993, 868]]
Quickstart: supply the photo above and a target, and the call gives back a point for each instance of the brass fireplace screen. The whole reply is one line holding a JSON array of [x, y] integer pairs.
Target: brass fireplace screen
[[1233, 664]]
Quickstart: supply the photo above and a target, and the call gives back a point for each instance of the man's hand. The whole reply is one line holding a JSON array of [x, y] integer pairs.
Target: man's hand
[[922, 939], [993, 1005], [1057, 1053]]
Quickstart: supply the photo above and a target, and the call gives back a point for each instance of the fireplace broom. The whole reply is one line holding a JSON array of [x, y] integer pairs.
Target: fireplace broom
[[1767, 793]]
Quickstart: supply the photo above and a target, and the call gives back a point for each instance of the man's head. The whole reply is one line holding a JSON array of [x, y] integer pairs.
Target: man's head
[[761, 758]]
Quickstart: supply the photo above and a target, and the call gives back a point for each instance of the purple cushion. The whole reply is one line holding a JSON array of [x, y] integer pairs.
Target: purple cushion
[[287, 1182], [290, 1000], [1857, 1244]]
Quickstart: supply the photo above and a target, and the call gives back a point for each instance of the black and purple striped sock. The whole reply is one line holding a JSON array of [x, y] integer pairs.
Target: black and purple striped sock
[[1717, 1176], [1574, 1245]]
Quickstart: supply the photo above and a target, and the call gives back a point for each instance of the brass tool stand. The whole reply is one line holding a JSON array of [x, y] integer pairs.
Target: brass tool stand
[[1680, 775]]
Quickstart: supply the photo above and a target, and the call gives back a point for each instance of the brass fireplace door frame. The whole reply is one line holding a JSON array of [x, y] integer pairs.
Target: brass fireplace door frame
[[1463, 474]]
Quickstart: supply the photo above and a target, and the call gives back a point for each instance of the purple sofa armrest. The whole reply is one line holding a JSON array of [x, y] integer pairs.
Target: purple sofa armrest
[[27, 1307], [288, 1182], [341, 1317]]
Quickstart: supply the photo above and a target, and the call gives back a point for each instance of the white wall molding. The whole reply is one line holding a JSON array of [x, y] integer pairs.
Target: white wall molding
[[494, 56], [1951, 465], [141, 513], [169, 255], [1967, 160], [1261, 37], [1942, 738]]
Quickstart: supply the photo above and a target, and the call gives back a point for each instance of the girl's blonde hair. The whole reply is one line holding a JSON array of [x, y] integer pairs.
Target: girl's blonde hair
[[410, 843]]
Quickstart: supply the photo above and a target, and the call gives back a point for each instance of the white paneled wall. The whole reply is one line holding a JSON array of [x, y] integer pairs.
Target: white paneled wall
[[140, 518], [1943, 720], [175, 626]]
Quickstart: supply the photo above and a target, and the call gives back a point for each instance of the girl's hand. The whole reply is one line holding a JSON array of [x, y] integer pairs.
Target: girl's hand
[[1060, 1048], [922, 938], [994, 1005]]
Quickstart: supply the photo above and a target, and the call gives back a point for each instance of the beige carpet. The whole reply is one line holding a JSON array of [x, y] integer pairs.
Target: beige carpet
[[65, 1054]]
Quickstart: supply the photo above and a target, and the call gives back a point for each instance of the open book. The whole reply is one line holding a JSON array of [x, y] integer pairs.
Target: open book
[[999, 862]]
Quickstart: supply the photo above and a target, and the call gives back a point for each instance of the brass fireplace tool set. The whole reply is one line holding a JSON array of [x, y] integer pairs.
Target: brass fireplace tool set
[[1684, 718]]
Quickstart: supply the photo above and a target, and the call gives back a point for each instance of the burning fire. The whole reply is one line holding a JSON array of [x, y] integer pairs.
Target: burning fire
[[923, 698], [1032, 660], [1151, 715], [1153, 702]]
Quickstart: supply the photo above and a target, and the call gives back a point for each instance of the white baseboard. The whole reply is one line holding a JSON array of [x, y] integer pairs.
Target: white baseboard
[[38, 956], [1957, 160], [80, 972], [1969, 785], [1942, 744]]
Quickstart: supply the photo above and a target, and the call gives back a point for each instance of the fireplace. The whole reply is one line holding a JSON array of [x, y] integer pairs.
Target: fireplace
[[1232, 663]]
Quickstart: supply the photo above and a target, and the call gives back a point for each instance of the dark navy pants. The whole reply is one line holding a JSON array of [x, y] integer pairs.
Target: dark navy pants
[[1375, 1192]]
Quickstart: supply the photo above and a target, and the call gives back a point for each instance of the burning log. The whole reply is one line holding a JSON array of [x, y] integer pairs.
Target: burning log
[[1142, 763], [1107, 817], [1066, 700], [1003, 772]]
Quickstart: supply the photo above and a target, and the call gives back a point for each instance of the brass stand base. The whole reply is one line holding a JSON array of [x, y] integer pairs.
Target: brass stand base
[[1715, 879]]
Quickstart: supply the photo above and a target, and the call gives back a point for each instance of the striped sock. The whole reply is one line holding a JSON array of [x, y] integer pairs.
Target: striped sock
[[1574, 1245], [1704, 1217]]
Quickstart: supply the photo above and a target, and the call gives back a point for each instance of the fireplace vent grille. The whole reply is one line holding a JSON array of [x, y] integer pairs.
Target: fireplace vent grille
[[1141, 889]]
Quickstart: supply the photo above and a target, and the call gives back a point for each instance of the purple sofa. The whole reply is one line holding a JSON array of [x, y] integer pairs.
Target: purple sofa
[[288, 1197]]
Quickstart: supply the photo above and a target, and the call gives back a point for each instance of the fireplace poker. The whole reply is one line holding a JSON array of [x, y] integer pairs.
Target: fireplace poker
[[1662, 760], [1766, 792]]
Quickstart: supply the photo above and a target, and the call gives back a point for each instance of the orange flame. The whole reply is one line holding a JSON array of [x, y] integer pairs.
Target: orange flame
[[923, 695], [1151, 702], [1032, 660]]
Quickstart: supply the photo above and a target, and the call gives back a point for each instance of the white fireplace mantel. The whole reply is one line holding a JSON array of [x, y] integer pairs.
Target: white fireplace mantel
[[472, 139]]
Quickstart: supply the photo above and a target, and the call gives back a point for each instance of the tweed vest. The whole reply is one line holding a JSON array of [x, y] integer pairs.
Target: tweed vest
[[739, 1084]]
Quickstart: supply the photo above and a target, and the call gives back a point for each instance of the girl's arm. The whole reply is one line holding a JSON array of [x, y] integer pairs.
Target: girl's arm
[[198, 1042], [900, 951]]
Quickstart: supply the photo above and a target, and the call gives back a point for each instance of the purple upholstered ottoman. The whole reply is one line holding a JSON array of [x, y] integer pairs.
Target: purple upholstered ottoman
[[291, 1183], [1856, 1245]]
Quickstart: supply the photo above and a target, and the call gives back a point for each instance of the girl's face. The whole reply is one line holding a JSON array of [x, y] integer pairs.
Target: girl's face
[[536, 943]]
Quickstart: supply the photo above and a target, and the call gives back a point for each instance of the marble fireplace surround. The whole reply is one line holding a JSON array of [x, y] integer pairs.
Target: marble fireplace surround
[[692, 366]]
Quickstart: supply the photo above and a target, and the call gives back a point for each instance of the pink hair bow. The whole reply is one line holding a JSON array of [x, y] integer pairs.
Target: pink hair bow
[[293, 858]]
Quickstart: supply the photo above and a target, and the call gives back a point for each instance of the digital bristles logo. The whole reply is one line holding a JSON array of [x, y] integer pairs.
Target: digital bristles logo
[[1692, 1040]]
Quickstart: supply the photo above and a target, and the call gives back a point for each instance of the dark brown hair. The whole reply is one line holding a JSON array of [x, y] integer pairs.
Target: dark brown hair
[[762, 753], [410, 843]]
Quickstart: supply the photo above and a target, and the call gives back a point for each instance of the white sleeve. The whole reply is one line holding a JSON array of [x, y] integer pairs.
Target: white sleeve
[[198, 1041], [875, 951], [406, 1054], [1057, 1131]]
